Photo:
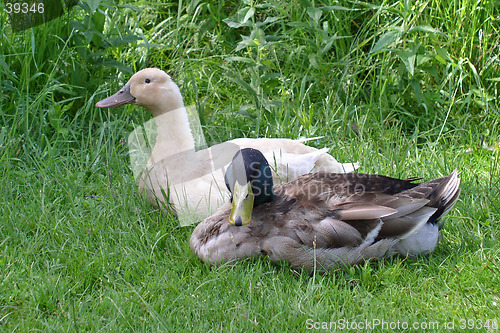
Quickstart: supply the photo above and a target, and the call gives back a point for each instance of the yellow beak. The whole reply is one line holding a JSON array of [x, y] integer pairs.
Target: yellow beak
[[241, 210]]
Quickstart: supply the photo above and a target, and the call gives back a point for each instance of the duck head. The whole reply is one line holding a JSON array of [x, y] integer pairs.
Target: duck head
[[250, 181], [150, 88]]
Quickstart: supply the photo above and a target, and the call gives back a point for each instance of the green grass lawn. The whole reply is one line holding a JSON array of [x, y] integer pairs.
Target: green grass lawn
[[407, 89]]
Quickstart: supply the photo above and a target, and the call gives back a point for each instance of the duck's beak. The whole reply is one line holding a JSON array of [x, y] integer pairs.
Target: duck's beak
[[123, 96], [241, 210]]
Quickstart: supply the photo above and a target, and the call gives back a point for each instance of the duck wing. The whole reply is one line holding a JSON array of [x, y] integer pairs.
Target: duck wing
[[338, 219]]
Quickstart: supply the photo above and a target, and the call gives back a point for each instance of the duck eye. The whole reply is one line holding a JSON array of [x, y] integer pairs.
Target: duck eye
[[147, 80]]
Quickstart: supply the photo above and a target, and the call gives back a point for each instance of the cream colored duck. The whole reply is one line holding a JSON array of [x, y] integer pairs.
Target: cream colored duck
[[194, 180], [322, 220]]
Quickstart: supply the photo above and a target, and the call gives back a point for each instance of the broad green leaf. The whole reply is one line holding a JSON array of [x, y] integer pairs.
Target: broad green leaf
[[99, 20], [387, 39], [269, 76], [241, 18], [314, 13], [241, 59], [443, 54], [408, 57], [77, 25], [440, 59], [93, 4], [305, 3], [327, 47], [268, 20], [245, 42], [313, 61], [266, 6], [425, 28], [249, 14], [232, 24]]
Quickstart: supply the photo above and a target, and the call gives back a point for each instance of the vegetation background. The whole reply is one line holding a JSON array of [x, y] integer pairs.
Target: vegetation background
[[407, 88]]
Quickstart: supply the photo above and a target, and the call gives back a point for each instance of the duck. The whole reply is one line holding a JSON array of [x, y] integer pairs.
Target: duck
[[322, 221], [176, 175]]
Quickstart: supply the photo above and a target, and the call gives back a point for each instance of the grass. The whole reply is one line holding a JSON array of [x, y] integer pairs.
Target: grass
[[405, 88]]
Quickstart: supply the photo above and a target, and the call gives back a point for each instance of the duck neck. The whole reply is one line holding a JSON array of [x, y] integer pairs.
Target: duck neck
[[265, 193], [263, 185], [173, 134]]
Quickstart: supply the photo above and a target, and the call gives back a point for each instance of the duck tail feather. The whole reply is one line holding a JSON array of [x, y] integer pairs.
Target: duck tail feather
[[442, 194]]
